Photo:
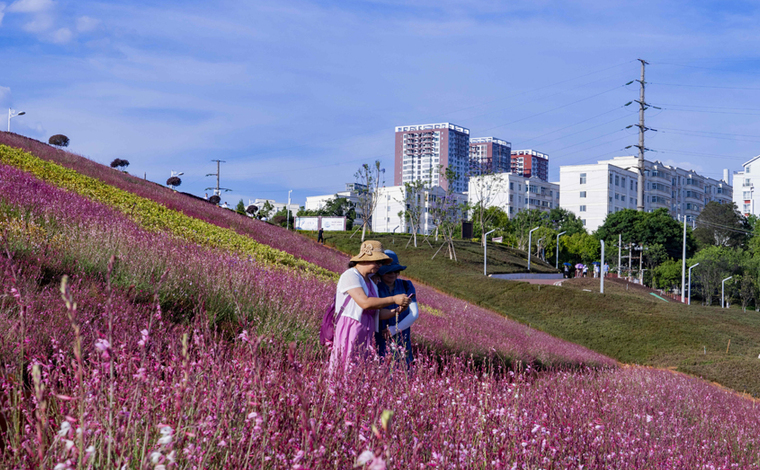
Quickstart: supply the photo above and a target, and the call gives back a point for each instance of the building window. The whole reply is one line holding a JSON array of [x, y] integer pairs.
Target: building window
[[622, 182], [584, 222], [582, 209], [583, 178], [747, 195], [583, 193], [617, 196], [617, 180]]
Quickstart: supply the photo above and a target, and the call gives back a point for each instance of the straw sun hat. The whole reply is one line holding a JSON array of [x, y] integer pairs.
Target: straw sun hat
[[371, 250]]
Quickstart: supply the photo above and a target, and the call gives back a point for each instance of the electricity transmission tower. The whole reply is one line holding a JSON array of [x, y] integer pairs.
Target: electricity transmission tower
[[217, 190], [642, 128]]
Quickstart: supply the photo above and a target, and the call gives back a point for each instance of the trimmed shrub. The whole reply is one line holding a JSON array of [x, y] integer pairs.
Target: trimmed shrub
[[119, 163], [59, 140]]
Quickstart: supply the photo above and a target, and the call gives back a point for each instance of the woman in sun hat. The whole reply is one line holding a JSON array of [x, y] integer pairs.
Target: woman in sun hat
[[357, 296], [396, 328]]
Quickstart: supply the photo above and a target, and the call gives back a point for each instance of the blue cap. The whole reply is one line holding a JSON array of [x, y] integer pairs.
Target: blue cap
[[393, 267]]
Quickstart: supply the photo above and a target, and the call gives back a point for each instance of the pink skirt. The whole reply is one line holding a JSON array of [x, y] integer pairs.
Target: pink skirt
[[353, 342]]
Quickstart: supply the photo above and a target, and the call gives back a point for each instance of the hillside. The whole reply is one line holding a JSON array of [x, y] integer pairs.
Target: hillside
[[630, 326], [129, 345]]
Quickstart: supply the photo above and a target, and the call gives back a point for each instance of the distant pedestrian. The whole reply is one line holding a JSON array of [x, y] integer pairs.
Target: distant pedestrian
[[596, 270], [585, 271], [321, 236], [606, 269], [566, 272]]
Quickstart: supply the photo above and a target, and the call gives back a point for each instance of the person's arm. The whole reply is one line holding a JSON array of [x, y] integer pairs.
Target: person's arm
[[386, 314], [372, 303], [414, 314]]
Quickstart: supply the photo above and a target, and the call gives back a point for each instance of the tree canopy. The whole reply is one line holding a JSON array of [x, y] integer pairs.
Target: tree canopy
[[59, 140], [721, 225], [647, 229]]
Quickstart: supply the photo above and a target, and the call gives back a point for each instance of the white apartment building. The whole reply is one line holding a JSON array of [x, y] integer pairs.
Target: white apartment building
[[389, 211], [745, 182], [315, 203], [594, 190], [278, 206], [682, 192], [513, 193]]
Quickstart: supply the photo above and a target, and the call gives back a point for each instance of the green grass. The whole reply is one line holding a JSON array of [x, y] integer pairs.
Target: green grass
[[629, 325]]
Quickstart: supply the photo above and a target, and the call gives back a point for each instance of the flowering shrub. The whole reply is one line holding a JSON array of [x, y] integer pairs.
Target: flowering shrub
[[145, 393], [77, 235], [119, 367], [259, 231], [151, 214]]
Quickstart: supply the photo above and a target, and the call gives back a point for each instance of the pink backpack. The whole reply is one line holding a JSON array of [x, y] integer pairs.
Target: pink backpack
[[329, 320]]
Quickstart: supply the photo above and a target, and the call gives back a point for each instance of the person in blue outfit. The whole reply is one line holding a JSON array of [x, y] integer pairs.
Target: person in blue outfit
[[397, 328]]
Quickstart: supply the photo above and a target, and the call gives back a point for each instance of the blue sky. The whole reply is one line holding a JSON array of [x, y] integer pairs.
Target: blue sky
[[298, 94]]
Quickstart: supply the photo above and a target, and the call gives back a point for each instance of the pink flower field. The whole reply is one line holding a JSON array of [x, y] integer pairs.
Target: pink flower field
[[158, 354]]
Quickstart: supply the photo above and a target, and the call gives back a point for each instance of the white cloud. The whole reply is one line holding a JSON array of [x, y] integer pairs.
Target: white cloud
[[5, 93], [62, 36], [85, 24], [40, 23], [30, 6], [2, 12]]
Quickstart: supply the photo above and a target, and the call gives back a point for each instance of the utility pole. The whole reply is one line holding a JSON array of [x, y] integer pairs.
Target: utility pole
[[217, 190], [642, 128]]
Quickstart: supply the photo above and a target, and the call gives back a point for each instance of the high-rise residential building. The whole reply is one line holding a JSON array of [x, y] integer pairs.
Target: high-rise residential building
[[592, 191], [490, 155], [423, 151], [513, 193], [530, 164], [744, 184]]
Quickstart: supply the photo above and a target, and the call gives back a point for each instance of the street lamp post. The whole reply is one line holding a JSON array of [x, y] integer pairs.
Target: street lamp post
[[620, 247], [485, 250], [287, 213], [683, 263], [723, 292], [530, 243], [12, 114], [556, 254], [690, 268], [601, 280]]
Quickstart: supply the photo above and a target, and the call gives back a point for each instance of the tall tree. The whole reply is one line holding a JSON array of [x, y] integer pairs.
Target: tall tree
[[484, 187], [647, 229], [369, 178], [414, 197], [721, 225], [446, 211]]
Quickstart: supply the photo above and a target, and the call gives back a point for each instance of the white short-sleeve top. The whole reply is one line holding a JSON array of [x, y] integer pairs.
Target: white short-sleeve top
[[349, 280]]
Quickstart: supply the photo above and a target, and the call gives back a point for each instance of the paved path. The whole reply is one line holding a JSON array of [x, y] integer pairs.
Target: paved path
[[550, 282]]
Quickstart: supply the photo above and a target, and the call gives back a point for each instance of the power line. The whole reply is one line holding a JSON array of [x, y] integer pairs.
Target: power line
[[587, 148], [583, 130], [696, 134], [554, 109], [699, 154], [573, 125], [708, 132], [705, 86], [710, 107]]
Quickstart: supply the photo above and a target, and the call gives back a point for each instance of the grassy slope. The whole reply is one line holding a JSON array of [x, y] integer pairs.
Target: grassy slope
[[629, 325], [627, 328]]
